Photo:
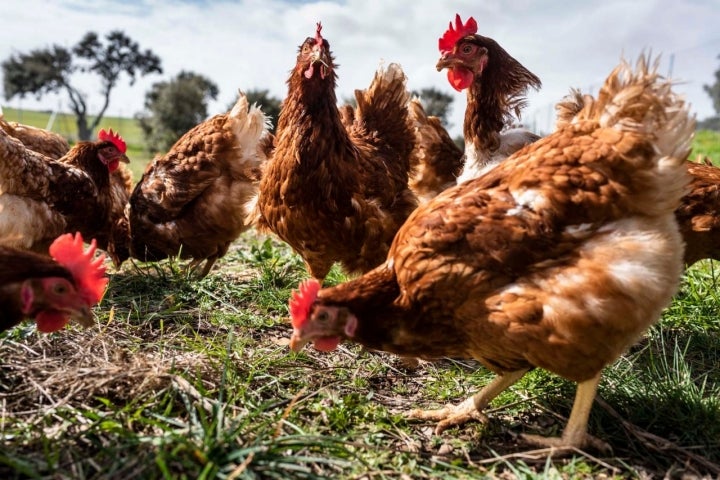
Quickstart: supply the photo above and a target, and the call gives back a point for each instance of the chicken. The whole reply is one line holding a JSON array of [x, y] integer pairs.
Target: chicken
[[699, 213], [496, 86], [50, 144], [55, 147], [41, 198], [191, 201], [52, 291], [338, 193], [437, 161], [559, 258]]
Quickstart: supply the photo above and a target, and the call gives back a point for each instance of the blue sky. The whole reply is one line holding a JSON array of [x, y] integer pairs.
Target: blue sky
[[251, 44]]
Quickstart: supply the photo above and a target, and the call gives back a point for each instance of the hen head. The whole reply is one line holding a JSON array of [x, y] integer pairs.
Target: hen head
[[111, 149], [324, 325], [464, 53], [314, 59], [53, 301]]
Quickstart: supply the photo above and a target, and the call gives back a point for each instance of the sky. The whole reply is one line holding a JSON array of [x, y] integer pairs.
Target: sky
[[252, 44]]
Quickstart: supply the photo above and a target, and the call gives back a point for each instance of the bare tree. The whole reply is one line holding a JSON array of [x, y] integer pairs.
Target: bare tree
[[52, 70]]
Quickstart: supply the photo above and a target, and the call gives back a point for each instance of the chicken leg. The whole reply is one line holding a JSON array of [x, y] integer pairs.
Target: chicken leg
[[575, 433], [209, 262], [471, 408]]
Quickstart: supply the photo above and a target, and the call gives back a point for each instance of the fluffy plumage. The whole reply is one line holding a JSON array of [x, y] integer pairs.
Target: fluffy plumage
[[558, 258], [436, 160], [50, 144], [191, 201], [338, 192], [698, 215]]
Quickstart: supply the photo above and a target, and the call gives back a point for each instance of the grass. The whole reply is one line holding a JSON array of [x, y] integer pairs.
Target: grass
[[707, 142], [187, 378]]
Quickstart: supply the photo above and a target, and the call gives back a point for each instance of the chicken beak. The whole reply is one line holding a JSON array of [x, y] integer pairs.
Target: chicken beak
[[124, 158], [319, 55], [83, 316], [446, 61], [297, 342]]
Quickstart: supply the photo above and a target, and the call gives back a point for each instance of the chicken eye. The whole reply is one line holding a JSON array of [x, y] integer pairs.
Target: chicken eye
[[60, 289], [323, 317], [467, 49]]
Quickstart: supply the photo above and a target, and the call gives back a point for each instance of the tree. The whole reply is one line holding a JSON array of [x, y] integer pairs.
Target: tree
[[174, 107], [714, 91], [435, 103], [269, 105], [52, 70]]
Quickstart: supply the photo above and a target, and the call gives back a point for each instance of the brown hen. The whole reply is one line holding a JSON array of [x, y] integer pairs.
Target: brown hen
[[560, 257], [699, 213], [338, 193], [55, 147], [496, 86], [191, 201], [41, 198]]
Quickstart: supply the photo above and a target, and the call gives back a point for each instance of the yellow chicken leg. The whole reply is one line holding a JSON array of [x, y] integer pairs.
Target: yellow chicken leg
[[575, 433], [471, 408]]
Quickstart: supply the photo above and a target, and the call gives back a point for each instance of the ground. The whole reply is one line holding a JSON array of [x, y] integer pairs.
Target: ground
[[187, 378]]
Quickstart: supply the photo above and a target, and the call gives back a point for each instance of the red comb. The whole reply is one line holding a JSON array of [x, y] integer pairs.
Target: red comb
[[318, 35], [301, 301], [452, 35], [89, 274], [114, 138]]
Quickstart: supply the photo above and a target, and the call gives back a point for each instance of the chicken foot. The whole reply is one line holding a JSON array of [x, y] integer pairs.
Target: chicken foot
[[471, 408], [575, 433], [195, 263]]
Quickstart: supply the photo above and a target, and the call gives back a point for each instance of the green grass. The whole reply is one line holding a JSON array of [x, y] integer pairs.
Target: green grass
[[187, 378], [707, 142]]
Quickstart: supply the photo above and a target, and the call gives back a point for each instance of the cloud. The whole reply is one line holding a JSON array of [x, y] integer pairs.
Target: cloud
[[252, 44]]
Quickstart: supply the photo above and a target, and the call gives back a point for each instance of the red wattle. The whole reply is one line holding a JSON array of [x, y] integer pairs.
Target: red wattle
[[48, 322], [460, 78], [326, 344]]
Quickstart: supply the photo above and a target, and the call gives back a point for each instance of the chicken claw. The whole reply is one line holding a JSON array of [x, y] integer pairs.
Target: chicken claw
[[575, 434], [471, 408], [449, 415], [587, 441]]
